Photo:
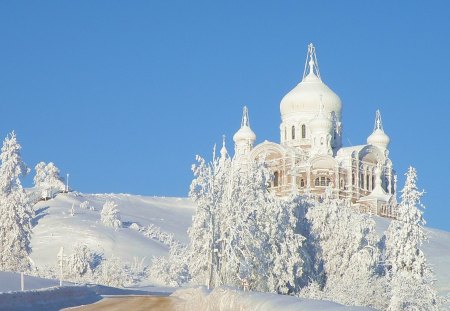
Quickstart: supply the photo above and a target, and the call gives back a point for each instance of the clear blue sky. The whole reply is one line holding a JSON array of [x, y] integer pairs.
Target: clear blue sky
[[123, 94]]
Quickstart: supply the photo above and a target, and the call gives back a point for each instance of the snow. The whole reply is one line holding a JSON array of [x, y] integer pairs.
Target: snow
[[437, 252], [225, 298], [56, 227]]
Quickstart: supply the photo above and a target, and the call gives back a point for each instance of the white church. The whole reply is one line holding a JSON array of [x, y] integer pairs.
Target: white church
[[310, 157]]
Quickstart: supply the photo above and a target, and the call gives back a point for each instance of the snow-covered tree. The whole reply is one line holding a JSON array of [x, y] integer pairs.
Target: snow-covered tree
[[48, 179], [207, 191], [16, 212], [241, 231], [110, 215], [172, 270], [347, 252], [112, 272], [81, 263], [410, 276]]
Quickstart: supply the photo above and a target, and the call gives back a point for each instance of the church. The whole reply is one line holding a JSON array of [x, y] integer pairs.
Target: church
[[310, 157]]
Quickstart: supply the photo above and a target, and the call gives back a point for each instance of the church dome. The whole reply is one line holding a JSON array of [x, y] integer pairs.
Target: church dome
[[245, 133], [321, 124], [304, 99], [378, 137]]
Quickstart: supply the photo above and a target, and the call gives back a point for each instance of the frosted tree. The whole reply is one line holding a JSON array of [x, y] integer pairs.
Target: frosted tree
[[207, 191], [16, 212], [241, 231], [289, 263], [347, 252], [410, 275], [172, 270], [112, 272], [110, 215], [48, 179]]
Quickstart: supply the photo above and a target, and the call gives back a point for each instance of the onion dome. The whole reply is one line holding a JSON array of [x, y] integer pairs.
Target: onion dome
[[321, 123], [378, 137], [223, 150], [245, 133], [304, 98]]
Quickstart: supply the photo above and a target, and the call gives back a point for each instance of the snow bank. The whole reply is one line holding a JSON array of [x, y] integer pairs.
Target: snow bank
[[54, 298], [230, 299], [10, 281]]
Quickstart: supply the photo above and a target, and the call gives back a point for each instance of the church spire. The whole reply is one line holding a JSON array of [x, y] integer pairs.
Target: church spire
[[311, 63], [378, 123], [245, 121], [223, 151]]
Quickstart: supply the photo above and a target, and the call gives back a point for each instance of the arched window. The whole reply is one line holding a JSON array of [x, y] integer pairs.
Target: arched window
[[353, 179], [316, 182], [373, 182], [293, 132], [302, 183], [303, 131], [367, 181], [275, 179]]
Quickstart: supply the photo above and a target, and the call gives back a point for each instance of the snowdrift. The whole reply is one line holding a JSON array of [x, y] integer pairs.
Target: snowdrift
[[230, 299]]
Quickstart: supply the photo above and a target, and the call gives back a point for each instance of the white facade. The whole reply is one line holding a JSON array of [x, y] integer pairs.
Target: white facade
[[310, 156]]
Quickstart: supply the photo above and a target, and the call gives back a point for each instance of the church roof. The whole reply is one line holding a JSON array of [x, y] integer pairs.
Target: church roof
[[305, 98]]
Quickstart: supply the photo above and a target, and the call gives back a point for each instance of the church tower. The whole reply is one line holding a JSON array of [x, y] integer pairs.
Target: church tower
[[302, 104], [244, 138]]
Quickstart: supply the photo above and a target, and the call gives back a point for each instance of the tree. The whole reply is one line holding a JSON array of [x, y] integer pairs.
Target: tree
[[48, 179], [16, 212], [240, 230], [207, 191], [110, 215], [347, 253], [406, 263]]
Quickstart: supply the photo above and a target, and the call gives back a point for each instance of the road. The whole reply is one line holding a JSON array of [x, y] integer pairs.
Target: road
[[129, 303]]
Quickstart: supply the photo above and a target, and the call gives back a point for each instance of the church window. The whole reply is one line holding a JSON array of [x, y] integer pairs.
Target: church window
[[353, 179], [367, 182], [373, 182], [303, 131], [293, 132], [302, 183], [275, 179]]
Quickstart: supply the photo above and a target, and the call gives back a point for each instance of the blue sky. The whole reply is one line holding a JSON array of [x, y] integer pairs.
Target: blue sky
[[123, 94]]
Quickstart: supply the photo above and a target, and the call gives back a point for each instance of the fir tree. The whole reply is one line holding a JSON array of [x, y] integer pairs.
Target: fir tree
[[110, 215], [410, 275], [16, 212]]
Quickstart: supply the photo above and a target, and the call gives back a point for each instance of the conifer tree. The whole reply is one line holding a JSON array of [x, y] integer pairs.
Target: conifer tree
[[410, 276], [16, 212]]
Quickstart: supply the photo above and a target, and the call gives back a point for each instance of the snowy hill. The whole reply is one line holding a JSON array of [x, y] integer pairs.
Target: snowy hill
[[56, 227]]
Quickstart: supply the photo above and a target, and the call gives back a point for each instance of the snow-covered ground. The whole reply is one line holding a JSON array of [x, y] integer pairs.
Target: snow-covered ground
[[56, 227], [229, 299]]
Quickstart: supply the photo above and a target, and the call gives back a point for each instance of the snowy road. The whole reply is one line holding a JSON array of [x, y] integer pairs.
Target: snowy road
[[127, 303]]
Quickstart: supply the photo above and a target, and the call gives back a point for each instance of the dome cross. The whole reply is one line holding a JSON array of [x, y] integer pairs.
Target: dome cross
[[311, 60]]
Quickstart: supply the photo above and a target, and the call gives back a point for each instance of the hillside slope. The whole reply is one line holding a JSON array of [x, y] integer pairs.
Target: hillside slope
[[56, 227]]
